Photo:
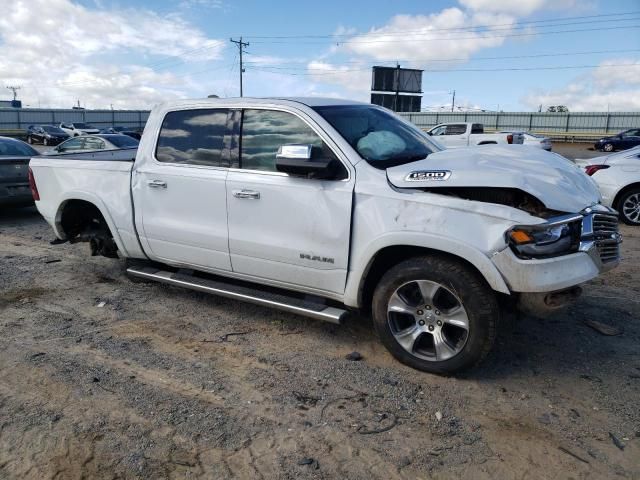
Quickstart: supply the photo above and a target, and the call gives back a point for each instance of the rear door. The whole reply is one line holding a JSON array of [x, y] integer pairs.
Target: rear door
[[181, 190], [290, 229]]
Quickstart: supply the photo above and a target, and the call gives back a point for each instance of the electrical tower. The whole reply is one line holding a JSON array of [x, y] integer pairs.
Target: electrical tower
[[241, 46], [14, 89]]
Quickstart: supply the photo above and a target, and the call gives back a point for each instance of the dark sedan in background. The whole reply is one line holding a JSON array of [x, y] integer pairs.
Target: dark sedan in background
[[46, 135], [92, 143], [627, 139], [123, 130], [14, 172]]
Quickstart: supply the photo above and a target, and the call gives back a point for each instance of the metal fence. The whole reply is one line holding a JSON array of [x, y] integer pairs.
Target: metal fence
[[583, 126], [21, 118]]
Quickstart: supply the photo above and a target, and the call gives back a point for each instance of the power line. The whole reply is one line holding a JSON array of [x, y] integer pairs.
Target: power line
[[509, 57], [564, 67], [405, 32], [477, 37], [241, 46]]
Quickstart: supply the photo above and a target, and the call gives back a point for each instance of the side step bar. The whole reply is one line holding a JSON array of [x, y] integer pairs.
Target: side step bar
[[279, 301]]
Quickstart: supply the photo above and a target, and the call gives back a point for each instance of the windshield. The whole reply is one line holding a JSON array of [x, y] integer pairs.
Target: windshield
[[50, 129], [82, 125], [15, 148], [380, 137], [123, 141]]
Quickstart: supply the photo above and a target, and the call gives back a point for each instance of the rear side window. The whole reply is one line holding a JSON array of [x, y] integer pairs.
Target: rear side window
[[456, 129], [477, 128], [193, 137], [264, 131]]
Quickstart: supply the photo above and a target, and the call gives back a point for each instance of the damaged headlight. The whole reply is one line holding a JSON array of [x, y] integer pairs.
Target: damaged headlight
[[556, 237]]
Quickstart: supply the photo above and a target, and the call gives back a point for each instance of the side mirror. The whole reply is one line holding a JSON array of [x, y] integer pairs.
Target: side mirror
[[429, 133], [296, 160]]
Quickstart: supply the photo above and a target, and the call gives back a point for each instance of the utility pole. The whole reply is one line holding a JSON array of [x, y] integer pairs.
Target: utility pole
[[397, 96], [14, 89], [241, 46], [453, 100]]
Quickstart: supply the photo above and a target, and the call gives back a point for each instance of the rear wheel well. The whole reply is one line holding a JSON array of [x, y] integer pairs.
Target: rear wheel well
[[622, 192], [82, 221], [488, 143], [390, 256]]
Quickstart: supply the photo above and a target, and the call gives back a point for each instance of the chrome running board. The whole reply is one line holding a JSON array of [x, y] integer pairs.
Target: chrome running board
[[280, 301]]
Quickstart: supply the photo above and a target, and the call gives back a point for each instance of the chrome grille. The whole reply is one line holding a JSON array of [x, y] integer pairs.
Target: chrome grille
[[606, 237]]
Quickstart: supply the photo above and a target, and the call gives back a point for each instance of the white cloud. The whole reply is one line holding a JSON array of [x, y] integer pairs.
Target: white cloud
[[60, 50], [602, 89], [355, 78], [419, 39], [606, 77], [519, 7]]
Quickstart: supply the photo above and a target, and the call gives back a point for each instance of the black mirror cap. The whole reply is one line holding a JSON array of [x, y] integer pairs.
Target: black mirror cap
[[320, 168]]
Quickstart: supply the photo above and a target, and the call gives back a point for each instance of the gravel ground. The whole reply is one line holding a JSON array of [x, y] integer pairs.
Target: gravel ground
[[104, 378]]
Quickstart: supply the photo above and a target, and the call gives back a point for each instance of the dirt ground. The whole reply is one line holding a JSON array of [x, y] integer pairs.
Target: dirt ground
[[103, 378]]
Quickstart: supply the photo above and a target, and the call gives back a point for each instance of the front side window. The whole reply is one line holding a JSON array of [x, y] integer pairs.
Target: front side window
[[73, 144], [193, 137], [264, 131], [438, 130], [379, 136]]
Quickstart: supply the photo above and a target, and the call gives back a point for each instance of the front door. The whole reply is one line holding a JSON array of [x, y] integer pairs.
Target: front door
[[287, 228], [181, 191]]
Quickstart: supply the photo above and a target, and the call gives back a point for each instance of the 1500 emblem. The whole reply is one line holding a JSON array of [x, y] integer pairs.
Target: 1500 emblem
[[427, 175]]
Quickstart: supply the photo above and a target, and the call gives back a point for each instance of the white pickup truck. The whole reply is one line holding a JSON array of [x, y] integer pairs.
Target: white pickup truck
[[321, 207], [457, 135]]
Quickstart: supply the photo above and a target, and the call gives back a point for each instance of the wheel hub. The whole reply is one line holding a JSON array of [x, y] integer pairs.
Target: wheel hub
[[428, 320]]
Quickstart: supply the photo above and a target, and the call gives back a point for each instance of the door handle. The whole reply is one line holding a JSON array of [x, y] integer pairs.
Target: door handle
[[157, 184], [252, 194]]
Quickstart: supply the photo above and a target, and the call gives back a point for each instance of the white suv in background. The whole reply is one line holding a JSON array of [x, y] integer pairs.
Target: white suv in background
[[618, 178], [78, 128]]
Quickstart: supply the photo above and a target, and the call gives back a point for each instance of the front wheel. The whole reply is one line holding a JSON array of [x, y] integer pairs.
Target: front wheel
[[435, 314], [608, 147], [629, 207], [45, 142], [30, 140]]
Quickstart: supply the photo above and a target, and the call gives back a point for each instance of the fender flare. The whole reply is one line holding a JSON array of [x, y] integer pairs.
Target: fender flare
[[451, 246], [99, 204]]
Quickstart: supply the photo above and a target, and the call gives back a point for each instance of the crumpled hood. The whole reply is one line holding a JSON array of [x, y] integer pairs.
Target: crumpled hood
[[555, 181]]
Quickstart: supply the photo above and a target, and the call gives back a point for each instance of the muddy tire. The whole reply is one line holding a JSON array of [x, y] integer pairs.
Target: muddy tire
[[435, 314]]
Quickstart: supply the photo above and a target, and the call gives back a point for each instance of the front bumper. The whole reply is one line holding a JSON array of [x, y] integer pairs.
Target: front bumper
[[598, 252]]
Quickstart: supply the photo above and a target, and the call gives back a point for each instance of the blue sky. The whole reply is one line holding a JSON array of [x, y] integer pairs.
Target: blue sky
[[136, 54]]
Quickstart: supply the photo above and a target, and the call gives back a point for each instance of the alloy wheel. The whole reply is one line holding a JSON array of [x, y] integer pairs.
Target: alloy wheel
[[428, 320], [631, 208]]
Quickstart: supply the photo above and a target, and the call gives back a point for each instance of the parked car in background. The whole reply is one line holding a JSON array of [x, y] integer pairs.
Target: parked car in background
[[458, 135], [622, 141], [88, 143], [14, 172], [75, 129], [123, 130], [319, 206], [533, 139], [618, 178], [46, 135]]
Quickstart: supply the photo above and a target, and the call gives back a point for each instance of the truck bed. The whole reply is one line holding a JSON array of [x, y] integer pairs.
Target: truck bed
[[102, 178]]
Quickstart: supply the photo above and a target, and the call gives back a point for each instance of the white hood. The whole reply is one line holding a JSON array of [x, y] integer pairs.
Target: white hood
[[555, 181]]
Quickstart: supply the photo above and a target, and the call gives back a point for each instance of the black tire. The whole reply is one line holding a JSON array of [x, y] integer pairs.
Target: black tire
[[628, 214], [475, 296], [608, 147]]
